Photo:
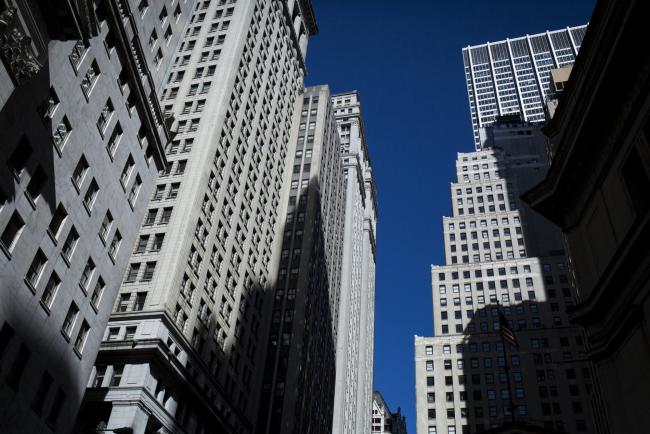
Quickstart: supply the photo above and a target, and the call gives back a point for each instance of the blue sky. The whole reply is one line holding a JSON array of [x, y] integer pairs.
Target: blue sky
[[405, 59]]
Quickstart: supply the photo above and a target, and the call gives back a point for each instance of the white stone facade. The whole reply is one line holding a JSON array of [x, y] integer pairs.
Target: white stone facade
[[461, 383], [187, 330], [355, 336], [82, 143]]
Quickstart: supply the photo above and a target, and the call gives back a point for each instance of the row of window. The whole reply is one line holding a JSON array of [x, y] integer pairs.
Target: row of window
[[46, 386]]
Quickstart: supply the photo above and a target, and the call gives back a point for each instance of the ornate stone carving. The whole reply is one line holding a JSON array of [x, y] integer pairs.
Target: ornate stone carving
[[15, 48]]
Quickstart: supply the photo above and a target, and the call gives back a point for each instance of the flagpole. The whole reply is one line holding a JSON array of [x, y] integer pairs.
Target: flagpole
[[507, 368]]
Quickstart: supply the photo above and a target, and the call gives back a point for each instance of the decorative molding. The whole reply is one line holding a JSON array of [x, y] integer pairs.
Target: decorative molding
[[15, 48]]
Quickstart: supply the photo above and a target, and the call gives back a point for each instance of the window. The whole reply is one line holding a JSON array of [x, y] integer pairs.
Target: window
[[135, 190], [80, 172], [116, 379], [80, 342], [70, 319], [90, 78], [114, 140], [12, 231], [36, 183], [106, 226], [6, 335], [100, 374], [50, 290], [60, 214], [115, 245], [157, 242], [47, 108], [149, 269], [57, 404], [132, 273], [16, 371], [126, 171], [105, 116], [41, 392], [96, 296], [166, 216], [91, 195], [140, 299], [141, 246], [87, 274], [19, 157], [173, 191], [35, 269], [123, 304]]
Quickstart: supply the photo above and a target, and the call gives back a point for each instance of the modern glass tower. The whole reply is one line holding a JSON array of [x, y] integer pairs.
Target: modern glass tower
[[512, 76]]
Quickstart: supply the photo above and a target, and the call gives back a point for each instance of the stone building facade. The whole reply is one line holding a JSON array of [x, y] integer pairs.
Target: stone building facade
[[83, 139], [183, 350]]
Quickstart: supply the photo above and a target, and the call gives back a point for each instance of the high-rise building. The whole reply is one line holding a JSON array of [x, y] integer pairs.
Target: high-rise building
[[298, 386], [184, 347], [597, 192], [512, 76], [385, 421], [83, 138], [498, 256], [355, 332]]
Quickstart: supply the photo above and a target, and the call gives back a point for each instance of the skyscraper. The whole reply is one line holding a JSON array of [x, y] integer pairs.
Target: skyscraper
[[355, 332], [499, 256], [512, 76], [83, 138], [298, 386], [184, 345]]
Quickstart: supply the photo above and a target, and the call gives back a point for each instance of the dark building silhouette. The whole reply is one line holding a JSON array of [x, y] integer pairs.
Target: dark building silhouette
[[598, 192]]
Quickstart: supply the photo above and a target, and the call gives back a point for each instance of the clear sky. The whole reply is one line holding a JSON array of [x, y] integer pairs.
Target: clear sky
[[405, 58]]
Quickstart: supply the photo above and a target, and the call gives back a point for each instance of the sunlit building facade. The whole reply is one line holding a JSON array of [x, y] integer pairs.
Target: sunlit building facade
[[512, 76]]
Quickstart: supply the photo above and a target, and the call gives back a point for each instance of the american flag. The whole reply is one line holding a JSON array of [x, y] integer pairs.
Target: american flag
[[507, 334]]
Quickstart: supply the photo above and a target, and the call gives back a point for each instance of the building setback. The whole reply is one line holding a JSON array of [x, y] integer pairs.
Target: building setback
[[83, 138], [298, 386], [385, 421], [355, 331], [184, 347], [596, 191], [512, 76], [498, 256]]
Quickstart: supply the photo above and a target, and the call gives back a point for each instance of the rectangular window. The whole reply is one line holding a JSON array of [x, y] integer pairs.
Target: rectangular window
[[19, 157], [61, 133], [17, 368], [41, 392], [50, 291], [116, 379], [166, 216], [87, 274], [173, 191], [70, 319], [133, 272], [35, 269], [36, 183], [57, 404], [82, 335], [90, 78], [105, 116], [114, 140], [115, 245], [77, 53], [149, 269], [96, 296], [157, 242], [140, 299], [126, 171], [80, 172], [135, 190], [60, 214], [12, 231], [91, 195], [106, 226]]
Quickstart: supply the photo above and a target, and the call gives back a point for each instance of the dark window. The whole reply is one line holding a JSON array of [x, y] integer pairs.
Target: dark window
[[16, 371], [41, 392], [6, 334], [36, 183], [59, 400], [18, 159], [12, 230]]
